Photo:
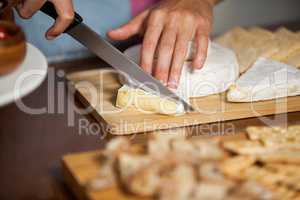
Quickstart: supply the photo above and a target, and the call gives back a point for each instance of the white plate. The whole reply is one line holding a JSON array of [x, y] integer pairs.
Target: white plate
[[26, 78]]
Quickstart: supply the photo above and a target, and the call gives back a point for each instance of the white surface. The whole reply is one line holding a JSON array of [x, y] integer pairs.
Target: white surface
[[26, 78], [218, 73], [265, 80]]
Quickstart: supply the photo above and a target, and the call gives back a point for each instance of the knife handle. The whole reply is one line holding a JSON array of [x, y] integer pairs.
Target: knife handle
[[49, 9]]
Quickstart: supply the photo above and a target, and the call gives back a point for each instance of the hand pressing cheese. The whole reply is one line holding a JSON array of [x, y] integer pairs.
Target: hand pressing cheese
[[146, 102], [218, 73], [266, 80]]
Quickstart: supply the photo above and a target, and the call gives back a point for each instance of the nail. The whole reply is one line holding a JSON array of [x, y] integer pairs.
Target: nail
[[51, 36], [203, 59], [199, 65], [196, 70]]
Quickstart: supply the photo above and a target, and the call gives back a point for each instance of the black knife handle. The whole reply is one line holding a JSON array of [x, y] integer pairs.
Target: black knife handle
[[49, 9]]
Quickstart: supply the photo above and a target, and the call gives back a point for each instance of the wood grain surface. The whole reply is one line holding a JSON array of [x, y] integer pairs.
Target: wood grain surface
[[80, 168], [104, 83]]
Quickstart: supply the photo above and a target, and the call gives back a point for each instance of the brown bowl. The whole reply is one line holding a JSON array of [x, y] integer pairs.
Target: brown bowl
[[12, 47]]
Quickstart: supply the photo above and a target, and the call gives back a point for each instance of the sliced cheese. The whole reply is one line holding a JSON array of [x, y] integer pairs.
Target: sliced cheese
[[266, 80], [147, 102]]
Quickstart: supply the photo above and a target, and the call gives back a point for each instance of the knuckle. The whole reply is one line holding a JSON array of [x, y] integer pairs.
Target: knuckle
[[68, 16], [203, 21], [148, 45], [172, 24], [162, 75], [158, 12], [187, 13], [171, 27], [155, 17], [166, 46], [146, 67], [174, 14], [189, 17], [181, 51], [152, 25]]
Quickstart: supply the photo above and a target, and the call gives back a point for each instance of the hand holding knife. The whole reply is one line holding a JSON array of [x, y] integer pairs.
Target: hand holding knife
[[103, 49]]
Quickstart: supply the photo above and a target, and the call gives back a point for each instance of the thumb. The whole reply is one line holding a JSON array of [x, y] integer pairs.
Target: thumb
[[131, 28]]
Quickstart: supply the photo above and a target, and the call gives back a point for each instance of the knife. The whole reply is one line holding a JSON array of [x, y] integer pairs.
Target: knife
[[106, 51]]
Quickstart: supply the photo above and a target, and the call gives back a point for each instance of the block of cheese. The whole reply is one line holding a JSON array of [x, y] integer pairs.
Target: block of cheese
[[266, 80], [288, 42], [248, 45], [146, 102], [218, 73]]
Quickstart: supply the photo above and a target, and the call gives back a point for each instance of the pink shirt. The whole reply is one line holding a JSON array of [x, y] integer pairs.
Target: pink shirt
[[138, 6]]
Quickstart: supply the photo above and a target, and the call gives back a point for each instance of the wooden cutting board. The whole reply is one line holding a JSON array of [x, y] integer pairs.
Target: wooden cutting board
[[79, 168], [98, 89]]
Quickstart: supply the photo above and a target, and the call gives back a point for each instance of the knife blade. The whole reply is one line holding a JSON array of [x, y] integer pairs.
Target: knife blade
[[110, 54]]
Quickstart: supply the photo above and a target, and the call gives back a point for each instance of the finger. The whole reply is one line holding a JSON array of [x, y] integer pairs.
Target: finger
[[178, 60], [129, 29], [65, 11], [28, 8], [151, 38], [165, 52], [201, 53], [184, 36]]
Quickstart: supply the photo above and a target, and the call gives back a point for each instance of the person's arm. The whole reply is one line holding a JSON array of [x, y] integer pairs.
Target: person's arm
[[167, 29], [64, 8]]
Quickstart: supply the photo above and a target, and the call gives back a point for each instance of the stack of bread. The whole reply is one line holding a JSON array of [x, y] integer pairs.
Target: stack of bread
[[171, 166], [270, 156]]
